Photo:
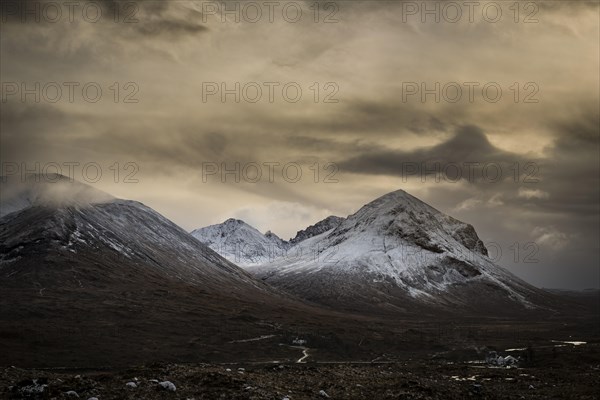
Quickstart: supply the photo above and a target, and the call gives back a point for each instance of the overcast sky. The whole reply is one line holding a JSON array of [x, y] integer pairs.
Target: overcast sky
[[367, 130]]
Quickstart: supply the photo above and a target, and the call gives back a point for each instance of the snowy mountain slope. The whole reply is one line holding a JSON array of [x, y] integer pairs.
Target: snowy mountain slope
[[316, 229], [114, 282], [395, 251], [240, 243], [276, 239], [119, 230], [245, 246]]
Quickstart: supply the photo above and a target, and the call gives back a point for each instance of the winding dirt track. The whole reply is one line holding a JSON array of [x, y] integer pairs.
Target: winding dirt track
[[305, 356]]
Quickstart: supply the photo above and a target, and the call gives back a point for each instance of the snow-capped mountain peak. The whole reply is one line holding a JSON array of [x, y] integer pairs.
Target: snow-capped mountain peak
[[396, 243], [403, 215], [241, 243]]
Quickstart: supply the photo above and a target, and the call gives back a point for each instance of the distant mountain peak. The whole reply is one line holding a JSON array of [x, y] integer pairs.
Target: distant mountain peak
[[241, 243], [396, 201]]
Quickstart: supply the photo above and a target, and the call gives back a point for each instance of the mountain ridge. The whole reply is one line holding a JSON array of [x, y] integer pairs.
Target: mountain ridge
[[394, 251]]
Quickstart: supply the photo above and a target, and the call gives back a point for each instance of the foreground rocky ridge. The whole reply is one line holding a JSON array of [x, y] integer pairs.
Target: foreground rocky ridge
[[571, 373]]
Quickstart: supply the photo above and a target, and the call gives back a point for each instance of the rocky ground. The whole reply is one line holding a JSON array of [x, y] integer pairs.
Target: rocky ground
[[564, 372]]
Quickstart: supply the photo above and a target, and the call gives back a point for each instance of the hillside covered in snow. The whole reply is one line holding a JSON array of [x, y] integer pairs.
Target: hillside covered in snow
[[394, 252]]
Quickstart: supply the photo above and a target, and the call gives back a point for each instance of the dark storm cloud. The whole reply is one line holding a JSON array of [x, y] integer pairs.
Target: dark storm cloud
[[155, 20], [563, 181], [361, 121], [319, 145], [144, 18], [468, 145], [172, 27], [582, 131], [389, 116], [572, 164]]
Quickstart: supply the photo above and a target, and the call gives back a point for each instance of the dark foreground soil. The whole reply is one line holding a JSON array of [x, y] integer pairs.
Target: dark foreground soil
[[564, 372]]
